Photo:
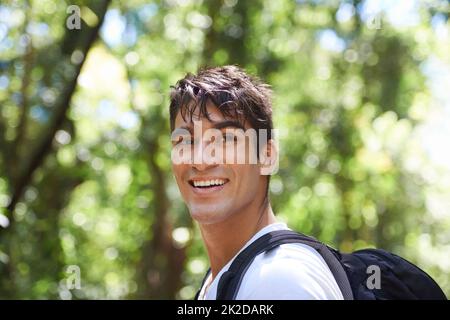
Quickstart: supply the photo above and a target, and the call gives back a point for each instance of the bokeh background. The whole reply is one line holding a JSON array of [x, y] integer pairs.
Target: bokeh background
[[361, 93]]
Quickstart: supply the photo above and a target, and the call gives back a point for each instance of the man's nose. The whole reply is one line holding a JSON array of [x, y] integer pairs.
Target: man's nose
[[200, 156]]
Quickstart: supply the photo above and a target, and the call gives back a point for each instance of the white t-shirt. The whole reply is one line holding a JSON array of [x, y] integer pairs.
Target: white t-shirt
[[289, 272]]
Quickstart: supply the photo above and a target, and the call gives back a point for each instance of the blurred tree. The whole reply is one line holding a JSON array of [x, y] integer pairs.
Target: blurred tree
[[20, 162], [85, 173]]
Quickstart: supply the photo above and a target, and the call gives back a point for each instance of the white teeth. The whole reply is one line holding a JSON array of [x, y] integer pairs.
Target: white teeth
[[207, 183]]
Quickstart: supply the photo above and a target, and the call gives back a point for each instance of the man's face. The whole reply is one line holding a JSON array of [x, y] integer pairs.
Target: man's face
[[214, 192]]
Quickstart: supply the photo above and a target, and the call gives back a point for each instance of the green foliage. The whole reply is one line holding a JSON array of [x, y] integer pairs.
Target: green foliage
[[352, 99]]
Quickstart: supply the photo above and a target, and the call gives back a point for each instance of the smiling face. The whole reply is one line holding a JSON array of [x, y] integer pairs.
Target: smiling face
[[215, 192]]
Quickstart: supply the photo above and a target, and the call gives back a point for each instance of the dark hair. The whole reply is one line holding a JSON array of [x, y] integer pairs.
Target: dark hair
[[235, 93]]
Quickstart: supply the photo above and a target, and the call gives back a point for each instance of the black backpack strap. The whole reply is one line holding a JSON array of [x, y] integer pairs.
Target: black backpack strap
[[231, 280], [203, 283]]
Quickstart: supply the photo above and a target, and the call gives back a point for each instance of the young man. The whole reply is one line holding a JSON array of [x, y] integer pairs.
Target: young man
[[228, 197]]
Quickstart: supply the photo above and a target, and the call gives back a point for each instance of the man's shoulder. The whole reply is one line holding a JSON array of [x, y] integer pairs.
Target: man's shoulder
[[289, 261], [290, 271]]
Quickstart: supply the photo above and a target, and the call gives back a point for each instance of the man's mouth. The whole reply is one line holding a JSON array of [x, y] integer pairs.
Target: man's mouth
[[208, 185]]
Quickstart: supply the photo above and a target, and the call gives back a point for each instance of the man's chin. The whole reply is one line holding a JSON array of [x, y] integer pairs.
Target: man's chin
[[207, 217]]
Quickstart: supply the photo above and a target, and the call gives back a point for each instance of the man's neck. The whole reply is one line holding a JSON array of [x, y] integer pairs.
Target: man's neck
[[224, 240]]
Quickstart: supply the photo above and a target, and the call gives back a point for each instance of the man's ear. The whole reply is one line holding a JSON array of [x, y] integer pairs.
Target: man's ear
[[269, 158]]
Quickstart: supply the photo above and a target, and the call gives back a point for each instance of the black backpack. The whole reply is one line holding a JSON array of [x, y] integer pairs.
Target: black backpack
[[399, 279]]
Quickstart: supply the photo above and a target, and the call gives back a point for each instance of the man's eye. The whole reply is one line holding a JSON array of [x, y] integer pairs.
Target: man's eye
[[184, 141], [229, 137]]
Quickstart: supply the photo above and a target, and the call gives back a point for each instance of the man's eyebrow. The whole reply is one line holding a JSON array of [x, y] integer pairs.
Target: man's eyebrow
[[228, 123], [180, 130], [216, 125]]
